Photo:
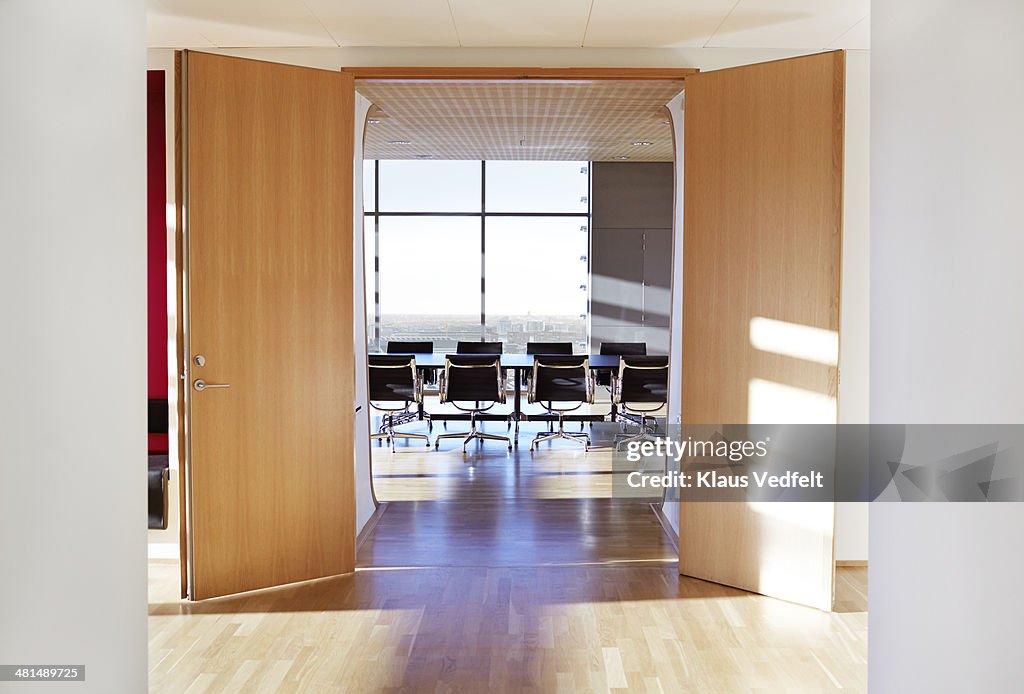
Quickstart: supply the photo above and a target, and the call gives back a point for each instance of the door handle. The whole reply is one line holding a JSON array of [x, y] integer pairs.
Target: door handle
[[201, 385]]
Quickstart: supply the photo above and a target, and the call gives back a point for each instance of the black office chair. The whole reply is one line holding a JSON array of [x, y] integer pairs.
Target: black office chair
[[473, 379], [561, 379], [640, 388], [159, 463], [546, 348], [619, 349], [466, 347], [413, 347], [393, 379], [549, 348]]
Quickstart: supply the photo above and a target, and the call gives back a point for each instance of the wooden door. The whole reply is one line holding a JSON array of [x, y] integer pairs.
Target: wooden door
[[268, 152], [762, 238]]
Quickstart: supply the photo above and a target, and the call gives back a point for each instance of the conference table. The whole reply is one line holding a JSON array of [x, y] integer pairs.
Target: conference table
[[520, 364]]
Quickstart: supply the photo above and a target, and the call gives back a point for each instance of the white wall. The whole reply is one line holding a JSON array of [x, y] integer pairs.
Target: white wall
[[947, 333], [851, 533], [677, 113], [365, 505], [72, 357]]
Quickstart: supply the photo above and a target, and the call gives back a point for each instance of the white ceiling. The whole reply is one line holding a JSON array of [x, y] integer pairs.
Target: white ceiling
[[769, 24]]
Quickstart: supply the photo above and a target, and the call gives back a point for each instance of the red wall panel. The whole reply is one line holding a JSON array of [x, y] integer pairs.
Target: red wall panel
[[157, 233]]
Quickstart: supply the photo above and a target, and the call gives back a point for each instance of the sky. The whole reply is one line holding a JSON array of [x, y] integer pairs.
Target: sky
[[432, 265]]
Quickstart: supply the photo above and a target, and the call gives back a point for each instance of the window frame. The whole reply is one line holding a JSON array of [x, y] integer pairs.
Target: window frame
[[376, 214]]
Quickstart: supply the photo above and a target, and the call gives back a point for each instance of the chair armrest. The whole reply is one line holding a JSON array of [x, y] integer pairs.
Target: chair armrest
[[502, 379]]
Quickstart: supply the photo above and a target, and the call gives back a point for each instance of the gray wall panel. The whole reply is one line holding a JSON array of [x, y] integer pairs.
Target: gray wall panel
[[631, 253]]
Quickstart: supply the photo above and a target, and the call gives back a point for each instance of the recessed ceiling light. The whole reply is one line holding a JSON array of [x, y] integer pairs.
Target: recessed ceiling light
[[621, 158], [642, 143], [666, 122], [399, 142], [373, 121], [423, 156]]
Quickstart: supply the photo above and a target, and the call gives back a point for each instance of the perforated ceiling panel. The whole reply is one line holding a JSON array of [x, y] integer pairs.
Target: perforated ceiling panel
[[530, 120]]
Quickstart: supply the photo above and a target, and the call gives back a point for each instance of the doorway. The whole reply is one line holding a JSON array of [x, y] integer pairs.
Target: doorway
[[530, 170]]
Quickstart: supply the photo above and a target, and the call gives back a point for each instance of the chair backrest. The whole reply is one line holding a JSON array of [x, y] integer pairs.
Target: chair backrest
[[392, 378], [643, 380], [159, 416], [409, 347], [475, 377], [621, 348], [549, 348], [464, 347], [561, 378]]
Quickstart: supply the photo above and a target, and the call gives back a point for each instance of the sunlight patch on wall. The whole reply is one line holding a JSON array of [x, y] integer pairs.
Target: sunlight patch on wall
[[794, 340], [769, 402]]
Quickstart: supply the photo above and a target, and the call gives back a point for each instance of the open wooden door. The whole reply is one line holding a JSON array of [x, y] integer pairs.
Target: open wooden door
[[763, 167], [267, 263]]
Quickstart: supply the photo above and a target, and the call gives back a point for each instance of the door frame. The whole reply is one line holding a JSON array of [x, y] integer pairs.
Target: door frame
[[534, 74]]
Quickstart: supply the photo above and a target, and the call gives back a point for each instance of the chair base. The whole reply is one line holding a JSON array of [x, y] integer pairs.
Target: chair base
[[468, 436], [646, 433], [388, 433], [581, 437]]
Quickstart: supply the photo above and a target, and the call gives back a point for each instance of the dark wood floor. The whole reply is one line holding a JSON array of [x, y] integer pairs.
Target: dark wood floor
[[545, 532]]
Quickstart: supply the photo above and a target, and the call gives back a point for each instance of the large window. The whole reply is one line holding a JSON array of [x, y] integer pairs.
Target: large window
[[470, 250]]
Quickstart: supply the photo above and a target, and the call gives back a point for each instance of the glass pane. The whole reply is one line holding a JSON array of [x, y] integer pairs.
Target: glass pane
[[536, 269], [430, 279], [370, 254], [369, 185], [537, 186], [430, 186]]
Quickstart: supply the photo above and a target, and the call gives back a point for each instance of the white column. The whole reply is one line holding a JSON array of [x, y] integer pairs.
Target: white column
[[947, 334], [73, 339]]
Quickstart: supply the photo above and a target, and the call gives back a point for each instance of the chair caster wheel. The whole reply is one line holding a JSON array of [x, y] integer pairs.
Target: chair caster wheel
[[428, 444], [435, 446]]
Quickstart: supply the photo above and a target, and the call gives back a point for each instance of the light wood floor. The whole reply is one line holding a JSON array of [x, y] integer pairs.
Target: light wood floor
[[505, 572]]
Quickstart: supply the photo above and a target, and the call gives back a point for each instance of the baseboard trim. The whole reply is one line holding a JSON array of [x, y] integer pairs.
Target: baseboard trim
[[847, 563], [666, 527], [371, 523]]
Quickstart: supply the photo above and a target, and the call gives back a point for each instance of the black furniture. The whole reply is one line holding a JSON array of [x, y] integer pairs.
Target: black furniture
[[475, 379], [409, 347], [547, 348], [394, 385], [158, 470], [521, 364], [619, 349], [624, 348], [413, 347], [640, 388], [466, 347], [561, 379]]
